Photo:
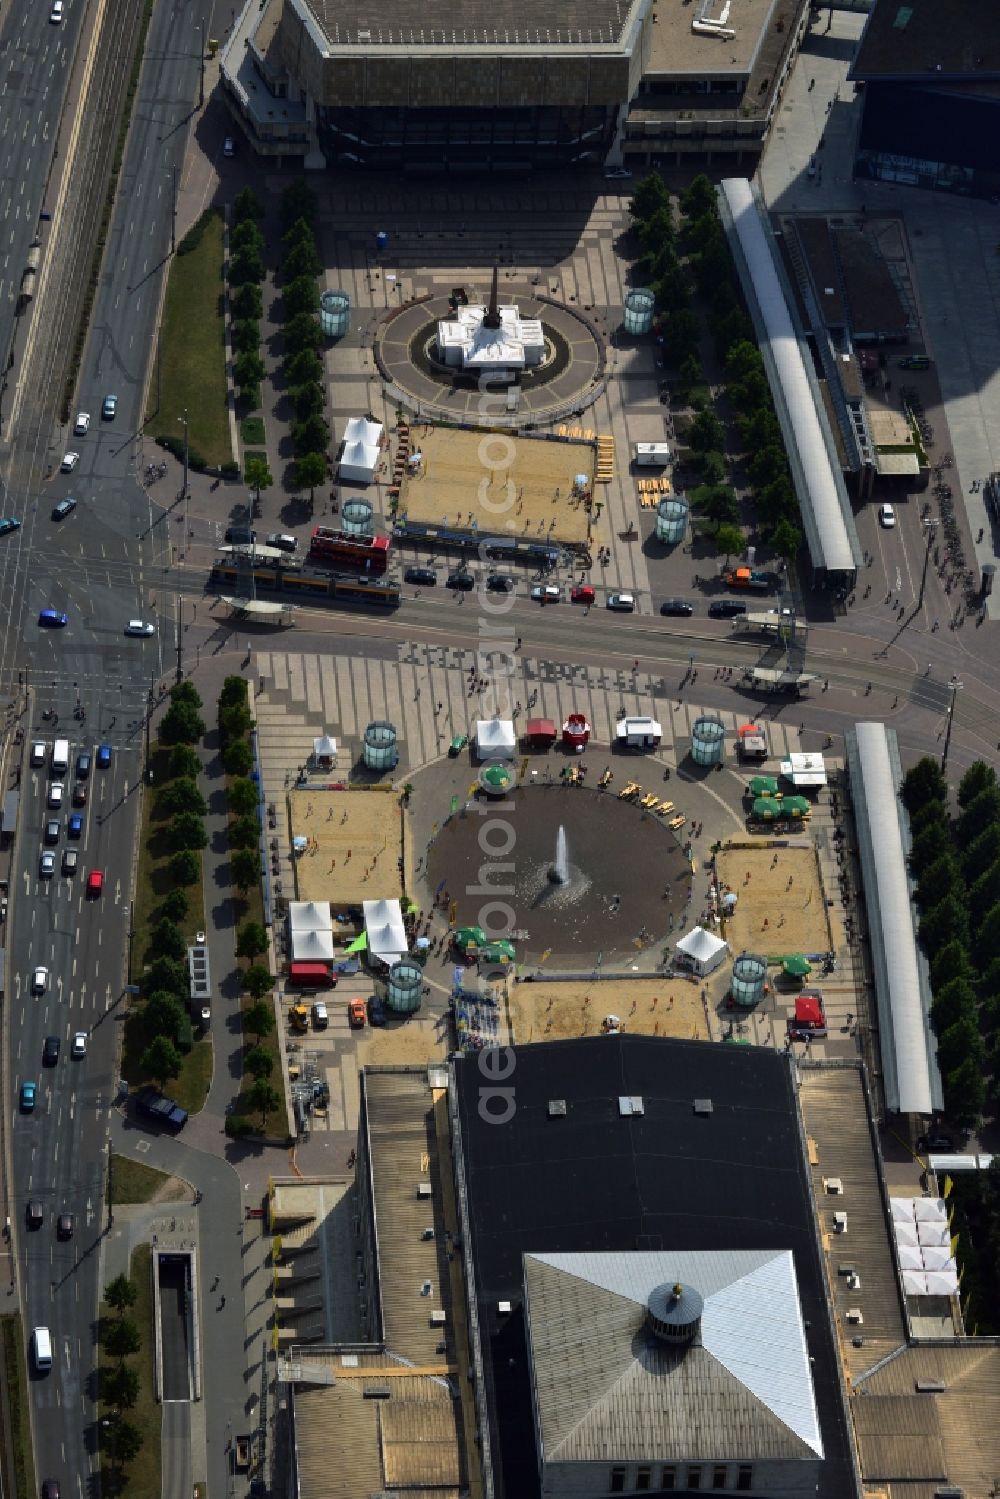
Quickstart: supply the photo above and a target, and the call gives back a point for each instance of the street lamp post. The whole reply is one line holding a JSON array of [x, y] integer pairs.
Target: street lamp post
[[956, 687], [201, 79], [184, 492], [930, 526], [173, 211]]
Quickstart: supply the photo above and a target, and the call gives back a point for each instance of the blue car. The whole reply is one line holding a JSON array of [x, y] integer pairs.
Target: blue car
[[51, 619], [8, 524], [28, 1095], [75, 828], [103, 756]]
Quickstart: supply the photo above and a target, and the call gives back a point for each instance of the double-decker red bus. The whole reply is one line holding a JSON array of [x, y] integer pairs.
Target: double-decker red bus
[[339, 549]]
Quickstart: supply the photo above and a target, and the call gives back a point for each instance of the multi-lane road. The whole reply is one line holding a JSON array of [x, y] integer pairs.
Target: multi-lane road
[[94, 566]]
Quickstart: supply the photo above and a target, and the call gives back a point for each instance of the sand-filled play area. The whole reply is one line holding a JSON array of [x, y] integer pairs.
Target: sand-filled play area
[[353, 845], [541, 1011], [780, 907], [498, 482]]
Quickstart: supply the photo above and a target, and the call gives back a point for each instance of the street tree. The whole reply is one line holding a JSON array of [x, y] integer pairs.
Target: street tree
[[951, 962], [163, 1014], [161, 1060], [259, 1062], [954, 1001], [948, 919], [960, 1041], [307, 400], [776, 501], [698, 198], [713, 468], [984, 893], [175, 906], [671, 286], [248, 371], [168, 940], [247, 205], [237, 758], [167, 975], [691, 372], [184, 763], [981, 853], [303, 332], [298, 201], [729, 540], [786, 539], [187, 830], [988, 938], [706, 433], [977, 778], [247, 236], [234, 690], [244, 832], [120, 1387], [752, 393], [235, 721], [121, 1338], [304, 366], [310, 436], [185, 692], [181, 724], [126, 1443], [246, 267], [246, 336], [258, 1019], [965, 1093], [717, 503], [184, 867], [182, 795], [251, 940], [121, 1293], [245, 866], [649, 197], [310, 472], [767, 465], [257, 981], [683, 335], [982, 811], [302, 295], [931, 815], [258, 476], [923, 782], [742, 360], [938, 880], [244, 797], [299, 233], [247, 303], [263, 1098]]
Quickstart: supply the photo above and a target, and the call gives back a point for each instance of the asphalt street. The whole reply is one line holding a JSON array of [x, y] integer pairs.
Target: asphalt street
[[93, 566]]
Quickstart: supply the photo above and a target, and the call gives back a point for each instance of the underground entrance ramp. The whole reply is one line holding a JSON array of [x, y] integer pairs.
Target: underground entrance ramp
[[176, 1354]]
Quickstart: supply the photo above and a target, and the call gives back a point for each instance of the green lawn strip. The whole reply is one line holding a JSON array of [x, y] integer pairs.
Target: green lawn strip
[[252, 431], [143, 1478], [15, 1373], [191, 374], [153, 880], [134, 1181]]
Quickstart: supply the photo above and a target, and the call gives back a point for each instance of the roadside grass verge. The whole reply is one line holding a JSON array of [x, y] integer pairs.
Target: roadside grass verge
[[252, 431], [134, 1181], [191, 354], [143, 1479], [15, 1374]]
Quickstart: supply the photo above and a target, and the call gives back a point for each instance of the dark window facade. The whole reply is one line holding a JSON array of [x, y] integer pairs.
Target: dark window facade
[[617, 1483], [502, 137]]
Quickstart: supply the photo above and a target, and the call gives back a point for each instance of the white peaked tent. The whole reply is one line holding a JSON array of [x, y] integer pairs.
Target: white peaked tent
[[701, 951], [312, 947], [386, 932], [309, 916], [495, 739], [910, 1257], [362, 446]]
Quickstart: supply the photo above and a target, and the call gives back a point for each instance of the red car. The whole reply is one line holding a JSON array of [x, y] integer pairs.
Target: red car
[[583, 594], [95, 882]]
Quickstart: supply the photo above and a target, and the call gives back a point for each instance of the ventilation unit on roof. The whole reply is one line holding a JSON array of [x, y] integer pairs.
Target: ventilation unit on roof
[[438, 1319], [629, 1105], [930, 1386], [425, 1289], [423, 1189], [673, 1313], [855, 1315], [503, 1308], [364, 36], [557, 1108], [833, 1185], [376, 1392], [704, 1106]]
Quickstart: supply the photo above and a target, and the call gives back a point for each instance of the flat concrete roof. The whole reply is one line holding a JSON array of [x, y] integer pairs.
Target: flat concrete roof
[[675, 48], [937, 39], [476, 23]]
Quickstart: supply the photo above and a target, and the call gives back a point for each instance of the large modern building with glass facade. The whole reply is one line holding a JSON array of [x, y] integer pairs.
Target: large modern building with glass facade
[[508, 85]]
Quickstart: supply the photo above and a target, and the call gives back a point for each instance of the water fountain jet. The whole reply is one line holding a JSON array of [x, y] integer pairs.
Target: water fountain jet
[[559, 871]]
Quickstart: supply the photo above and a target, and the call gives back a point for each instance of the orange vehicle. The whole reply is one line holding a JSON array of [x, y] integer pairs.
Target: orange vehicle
[[356, 1013]]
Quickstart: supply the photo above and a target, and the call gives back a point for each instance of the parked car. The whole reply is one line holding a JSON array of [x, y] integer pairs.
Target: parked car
[[60, 511], [357, 1014], [376, 1010], [240, 536], [229, 146], [426, 576], [109, 408], [152, 1104], [82, 424], [623, 602], [581, 594], [500, 583], [463, 581], [676, 606], [7, 524], [936, 1140], [69, 463], [283, 541], [52, 619], [320, 1016], [726, 608], [546, 593]]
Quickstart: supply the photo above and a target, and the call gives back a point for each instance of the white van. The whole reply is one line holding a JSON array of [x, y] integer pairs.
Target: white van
[[41, 1344], [60, 757]]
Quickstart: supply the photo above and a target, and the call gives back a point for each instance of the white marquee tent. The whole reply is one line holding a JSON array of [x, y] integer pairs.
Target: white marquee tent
[[385, 929], [495, 739], [309, 916], [312, 947], [700, 951]]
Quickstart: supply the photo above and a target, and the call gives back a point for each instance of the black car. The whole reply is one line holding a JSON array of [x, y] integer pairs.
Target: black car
[[240, 536], [376, 1010], [50, 1051], [153, 1104], [464, 582], [500, 583], [34, 1214], [425, 575], [82, 765], [727, 608], [65, 1224], [60, 511], [676, 606], [937, 1141], [283, 541]]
